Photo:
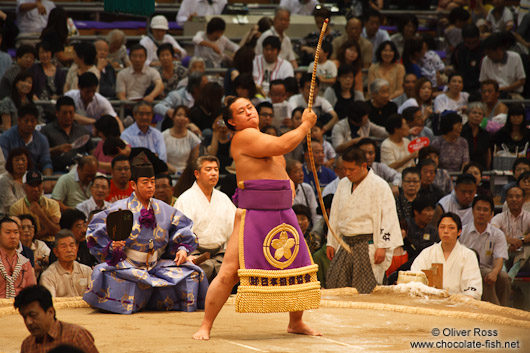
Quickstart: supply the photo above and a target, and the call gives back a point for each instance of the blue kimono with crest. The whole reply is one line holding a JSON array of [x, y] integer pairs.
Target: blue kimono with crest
[[137, 277]]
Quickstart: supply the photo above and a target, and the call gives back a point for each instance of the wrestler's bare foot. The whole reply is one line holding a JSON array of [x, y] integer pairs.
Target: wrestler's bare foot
[[301, 328], [203, 334]]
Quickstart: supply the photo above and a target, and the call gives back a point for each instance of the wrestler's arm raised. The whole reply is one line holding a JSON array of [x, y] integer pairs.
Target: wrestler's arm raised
[[260, 145]]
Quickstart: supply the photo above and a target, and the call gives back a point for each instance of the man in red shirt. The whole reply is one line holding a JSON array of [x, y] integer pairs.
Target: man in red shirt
[[120, 187]]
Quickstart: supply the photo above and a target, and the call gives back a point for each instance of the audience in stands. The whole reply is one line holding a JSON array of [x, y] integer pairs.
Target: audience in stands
[[514, 134], [349, 54], [164, 189], [380, 106], [32, 15], [453, 99], [353, 31], [74, 187], [120, 187], [84, 61], [269, 66], [141, 134], [386, 67], [89, 104], [467, 57], [136, 81], [48, 78], [342, 92], [199, 8], [489, 90], [441, 176], [11, 185], [455, 149], [326, 69], [305, 195], [409, 84], [280, 24], [212, 45], [156, 38], [475, 169], [99, 190], [56, 33], [20, 95], [46, 211], [504, 67], [171, 70], [41, 251], [324, 174], [117, 51], [460, 200], [24, 60], [182, 145], [407, 27], [520, 165], [107, 82], [411, 180], [67, 138], [394, 149], [478, 139]]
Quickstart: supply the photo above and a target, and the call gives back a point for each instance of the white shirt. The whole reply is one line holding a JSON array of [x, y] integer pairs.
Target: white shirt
[[443, 102], [370, 209], [511, 226], [179, 149], [326, 70], [213, 221], [286, 50], [500, 25], [90, 205], [211, 58], [320, 106], [151, 47], [263, 72], [461, 273], [505, 73], [490, 245], [390, 152], [95, 109], [296, 7], [450, 204], [200, 8], [32, 21]]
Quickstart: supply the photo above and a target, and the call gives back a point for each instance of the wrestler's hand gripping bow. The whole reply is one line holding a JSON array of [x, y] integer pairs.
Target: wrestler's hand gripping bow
[[310, 149]]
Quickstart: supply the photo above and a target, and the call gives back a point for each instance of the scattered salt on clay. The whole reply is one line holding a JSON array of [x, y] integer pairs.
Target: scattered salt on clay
[[413, 289]]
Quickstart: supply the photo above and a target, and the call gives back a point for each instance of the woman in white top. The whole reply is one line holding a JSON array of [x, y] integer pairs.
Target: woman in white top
[[181, 144], [394, 149], [453, 99]]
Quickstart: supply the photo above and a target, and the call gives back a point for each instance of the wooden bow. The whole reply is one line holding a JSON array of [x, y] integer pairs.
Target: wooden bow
[[309, 147]]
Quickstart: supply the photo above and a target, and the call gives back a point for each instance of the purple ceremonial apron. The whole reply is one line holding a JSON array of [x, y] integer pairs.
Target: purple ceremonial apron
[[276, 273]]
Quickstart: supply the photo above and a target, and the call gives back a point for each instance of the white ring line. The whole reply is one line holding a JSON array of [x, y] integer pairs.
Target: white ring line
[[244, 346], [335, 341]]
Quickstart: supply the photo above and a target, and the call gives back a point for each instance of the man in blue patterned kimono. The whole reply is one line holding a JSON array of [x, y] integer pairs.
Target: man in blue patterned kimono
[[132, 274]]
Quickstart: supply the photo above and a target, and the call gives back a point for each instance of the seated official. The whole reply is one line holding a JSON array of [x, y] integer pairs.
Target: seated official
[[461, 273], [35, 305], [133, 274], [66, 277], [211, 211]]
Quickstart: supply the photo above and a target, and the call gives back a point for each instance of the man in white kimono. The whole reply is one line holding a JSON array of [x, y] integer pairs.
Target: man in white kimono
[[461, 272], [212, 213], [364, 213]]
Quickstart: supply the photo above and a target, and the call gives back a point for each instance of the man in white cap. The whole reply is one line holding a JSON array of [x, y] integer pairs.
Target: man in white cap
[[157, 36]]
